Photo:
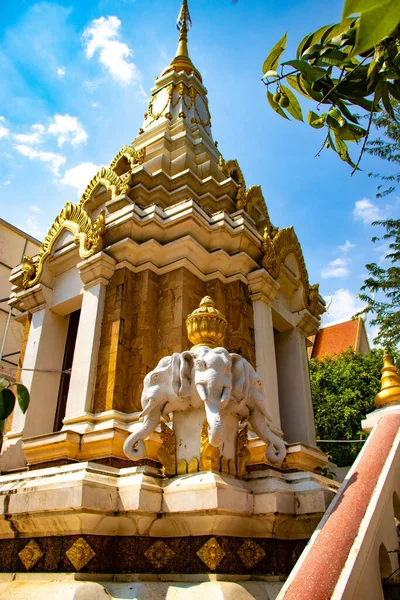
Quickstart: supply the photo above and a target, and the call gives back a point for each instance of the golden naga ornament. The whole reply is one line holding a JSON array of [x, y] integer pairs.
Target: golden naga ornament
[[390, 383], [206, 325], [87, 234]]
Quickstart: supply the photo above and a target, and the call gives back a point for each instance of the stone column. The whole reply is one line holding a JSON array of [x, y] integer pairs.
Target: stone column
[[41, 373], [294, 382], [263, 290], [95, 272]]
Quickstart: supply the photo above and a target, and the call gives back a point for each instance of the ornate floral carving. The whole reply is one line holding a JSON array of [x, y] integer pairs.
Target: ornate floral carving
[[134, 157], [30, 554], [251, 553], [87, 234], [80, 554], [209, 455], [242, 452], [230, 168], [276, 246], [159, 554], [167, 450], [106, 177], [211, 554], [254, 198]]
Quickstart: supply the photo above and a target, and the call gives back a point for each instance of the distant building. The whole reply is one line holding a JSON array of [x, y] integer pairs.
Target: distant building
[[335, 338], [14, 243]]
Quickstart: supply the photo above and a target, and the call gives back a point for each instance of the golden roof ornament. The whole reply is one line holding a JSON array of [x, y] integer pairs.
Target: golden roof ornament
[[390, 383], [206, 325], [182, 62]]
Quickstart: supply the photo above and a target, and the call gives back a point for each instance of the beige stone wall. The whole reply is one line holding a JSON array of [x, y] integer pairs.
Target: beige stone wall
[[144, 320]]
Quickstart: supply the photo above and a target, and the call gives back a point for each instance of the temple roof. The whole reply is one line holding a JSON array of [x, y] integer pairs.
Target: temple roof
[[335, 338]]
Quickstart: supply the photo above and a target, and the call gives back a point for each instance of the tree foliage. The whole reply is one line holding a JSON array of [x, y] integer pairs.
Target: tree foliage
[[387, 148], [343, 390], [349, 67], [9, 392], [386, 281]]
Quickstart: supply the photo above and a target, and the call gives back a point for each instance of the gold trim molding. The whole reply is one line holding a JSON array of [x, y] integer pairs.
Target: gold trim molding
[[87, 233]]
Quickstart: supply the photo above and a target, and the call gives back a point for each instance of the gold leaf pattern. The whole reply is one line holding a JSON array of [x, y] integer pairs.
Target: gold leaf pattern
[[80, 554], [250, 553], [30, 554], [211, 554], [159, 554]]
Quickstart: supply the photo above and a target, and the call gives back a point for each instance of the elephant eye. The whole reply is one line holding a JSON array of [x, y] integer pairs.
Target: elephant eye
[[156, 378], [200, 365]]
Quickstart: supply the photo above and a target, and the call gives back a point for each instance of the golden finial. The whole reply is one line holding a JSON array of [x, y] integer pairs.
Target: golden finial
[[182, 62], [206, 325], [390, 383]]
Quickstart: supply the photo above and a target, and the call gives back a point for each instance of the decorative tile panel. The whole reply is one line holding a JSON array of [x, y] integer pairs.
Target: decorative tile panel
[[30, 554], [159, 554], [211, 554], [251, 553], [80, 554]]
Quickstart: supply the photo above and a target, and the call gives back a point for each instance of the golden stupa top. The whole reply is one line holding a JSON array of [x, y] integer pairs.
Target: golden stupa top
[[390, 383], [206, 325], [182, 62]]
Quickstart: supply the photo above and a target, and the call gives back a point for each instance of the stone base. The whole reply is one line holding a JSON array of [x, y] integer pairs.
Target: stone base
[[180, 587]]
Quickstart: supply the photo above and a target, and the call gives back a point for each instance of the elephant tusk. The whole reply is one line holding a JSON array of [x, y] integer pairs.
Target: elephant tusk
[[201, 390], [225, 397]]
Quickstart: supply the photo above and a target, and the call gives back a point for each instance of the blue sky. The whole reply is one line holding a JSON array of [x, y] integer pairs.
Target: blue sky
[[74, 84]]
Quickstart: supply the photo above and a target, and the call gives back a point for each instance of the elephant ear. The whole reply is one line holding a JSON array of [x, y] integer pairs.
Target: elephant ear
[[176, 376], [240, 377], [186, 374]]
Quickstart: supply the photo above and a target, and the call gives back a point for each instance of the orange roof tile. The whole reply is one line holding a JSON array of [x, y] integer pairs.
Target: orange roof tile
[[336, 339]]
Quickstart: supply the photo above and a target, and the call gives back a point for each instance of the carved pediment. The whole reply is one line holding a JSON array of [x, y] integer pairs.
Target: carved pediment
[[87, 233]]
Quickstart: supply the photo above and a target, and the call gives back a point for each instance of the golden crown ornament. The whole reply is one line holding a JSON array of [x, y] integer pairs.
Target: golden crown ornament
[[206, 325]]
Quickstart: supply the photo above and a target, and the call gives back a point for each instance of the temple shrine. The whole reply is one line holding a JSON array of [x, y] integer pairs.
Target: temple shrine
[[169, 447]]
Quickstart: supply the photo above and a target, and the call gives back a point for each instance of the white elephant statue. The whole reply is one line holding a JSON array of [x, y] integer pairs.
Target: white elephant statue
[[224, 383]]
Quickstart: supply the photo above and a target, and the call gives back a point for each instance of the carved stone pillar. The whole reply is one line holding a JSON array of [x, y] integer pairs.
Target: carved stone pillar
[[95, 273], [41, 373], [294, 382], [263, 290]]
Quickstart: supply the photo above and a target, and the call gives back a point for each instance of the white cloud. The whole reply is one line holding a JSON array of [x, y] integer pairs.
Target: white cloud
[[103, 35], [34, 208], [342, 304], [32, 227], [53, 161], [367, 212], [7, 182], [336, 268], [28, 138], [79, 176], [67, 129], [61, 72], [3, 130], [346, 246]]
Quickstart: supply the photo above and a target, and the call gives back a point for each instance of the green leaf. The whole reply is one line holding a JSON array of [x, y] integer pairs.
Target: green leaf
[[271, 74], [378, 19], [276, 106], [272, 60], [345, 111], [7, 402], [294, 107], [342, 149], [22, 397], [331, 57], [293, 81], [394, 91], [352, 133], [304, 83], [386, 102], [316, 121], [313, 51], [312, 73], [336, 115], [338, 29], [304, 44], [4, 382]]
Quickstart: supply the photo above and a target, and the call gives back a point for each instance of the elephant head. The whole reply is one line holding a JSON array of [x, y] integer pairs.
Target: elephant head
[[208, 372], [161, 388], [249, 401]]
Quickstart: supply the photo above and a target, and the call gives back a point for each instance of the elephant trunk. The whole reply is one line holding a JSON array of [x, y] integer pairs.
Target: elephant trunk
[[213, 405], [134, 447], [276, 449]]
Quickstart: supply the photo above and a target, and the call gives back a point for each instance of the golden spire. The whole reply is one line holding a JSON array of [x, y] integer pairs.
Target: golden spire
[[206, 325], [182, 62], [390, 383]]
